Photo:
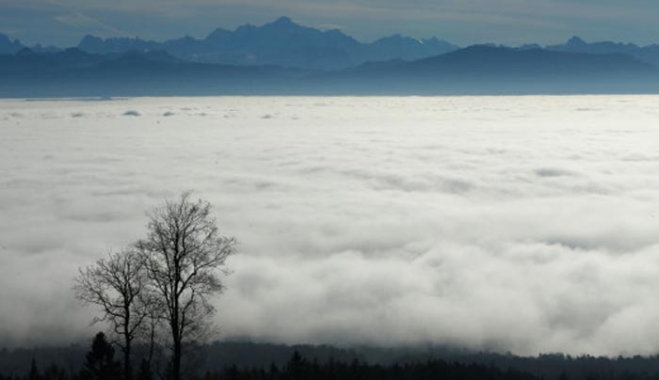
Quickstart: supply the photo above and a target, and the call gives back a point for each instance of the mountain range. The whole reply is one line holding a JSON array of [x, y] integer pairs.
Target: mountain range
[[649, 53], [286, 43], [281, 42], [283, 57]]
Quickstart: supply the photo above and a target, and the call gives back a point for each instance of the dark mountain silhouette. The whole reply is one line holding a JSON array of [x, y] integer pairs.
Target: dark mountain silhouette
[[484, 69], [76, 73], [27, 63], [477, 69], [282, 42], [498, 62], [9, 47], [649, 54]]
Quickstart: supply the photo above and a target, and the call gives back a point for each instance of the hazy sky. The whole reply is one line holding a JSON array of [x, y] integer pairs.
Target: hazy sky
[[64, 22], [526, 224]]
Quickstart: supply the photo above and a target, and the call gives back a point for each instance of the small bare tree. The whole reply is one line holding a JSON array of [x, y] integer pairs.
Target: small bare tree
[[117, 284], [184, 256]]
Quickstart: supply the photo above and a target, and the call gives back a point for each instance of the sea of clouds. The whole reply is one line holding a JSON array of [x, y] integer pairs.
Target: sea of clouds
[[522, 224]]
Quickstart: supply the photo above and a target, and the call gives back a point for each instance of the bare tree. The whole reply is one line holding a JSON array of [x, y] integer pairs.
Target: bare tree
[[152, 333], [184, 255], [117, 284]]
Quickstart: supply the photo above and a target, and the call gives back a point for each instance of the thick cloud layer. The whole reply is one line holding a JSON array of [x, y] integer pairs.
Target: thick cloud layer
[[527, 224]]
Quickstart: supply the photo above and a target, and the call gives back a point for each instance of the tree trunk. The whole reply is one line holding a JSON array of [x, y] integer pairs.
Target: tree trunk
[[176, 361], [176, 358], [152, 343], [128, 370], [128, 340]]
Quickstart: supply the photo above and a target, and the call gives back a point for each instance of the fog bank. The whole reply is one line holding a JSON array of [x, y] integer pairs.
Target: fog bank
[[522, 224]]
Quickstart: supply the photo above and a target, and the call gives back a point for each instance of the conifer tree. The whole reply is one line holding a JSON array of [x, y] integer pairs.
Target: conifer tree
[[99, 361]]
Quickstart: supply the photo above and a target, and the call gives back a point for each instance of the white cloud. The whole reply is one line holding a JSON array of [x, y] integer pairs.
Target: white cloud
[[517, 223]]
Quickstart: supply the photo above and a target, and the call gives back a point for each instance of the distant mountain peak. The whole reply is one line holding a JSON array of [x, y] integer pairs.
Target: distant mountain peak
[[91, 38], [283, 20], [245, 28], [575, 42], [8, 46], [280, 42], [283, 23], [218, 33]]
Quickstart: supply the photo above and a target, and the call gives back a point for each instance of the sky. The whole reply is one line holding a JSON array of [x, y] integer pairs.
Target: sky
[[520, 224], [64, 22]]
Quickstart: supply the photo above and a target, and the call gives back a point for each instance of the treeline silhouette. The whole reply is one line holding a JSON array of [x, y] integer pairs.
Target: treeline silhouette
[[253, 361], [98, 366], [299, 368]]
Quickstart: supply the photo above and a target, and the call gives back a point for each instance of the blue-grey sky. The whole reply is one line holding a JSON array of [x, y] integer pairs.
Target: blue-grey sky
[[64, 22]]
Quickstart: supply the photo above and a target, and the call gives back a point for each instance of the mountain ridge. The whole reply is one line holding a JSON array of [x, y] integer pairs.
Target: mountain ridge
[[281, 42], [284, 42], [8, 46], [479, 69], [575, 44], [285, 58]]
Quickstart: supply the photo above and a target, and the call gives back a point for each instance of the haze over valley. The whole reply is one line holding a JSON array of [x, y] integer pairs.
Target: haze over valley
[[521, 224]]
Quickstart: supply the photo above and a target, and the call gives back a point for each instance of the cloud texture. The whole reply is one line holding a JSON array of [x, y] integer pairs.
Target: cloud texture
[[527, 224]]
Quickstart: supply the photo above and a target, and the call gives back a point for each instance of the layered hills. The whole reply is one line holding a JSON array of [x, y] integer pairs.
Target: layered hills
[[283, 57]]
